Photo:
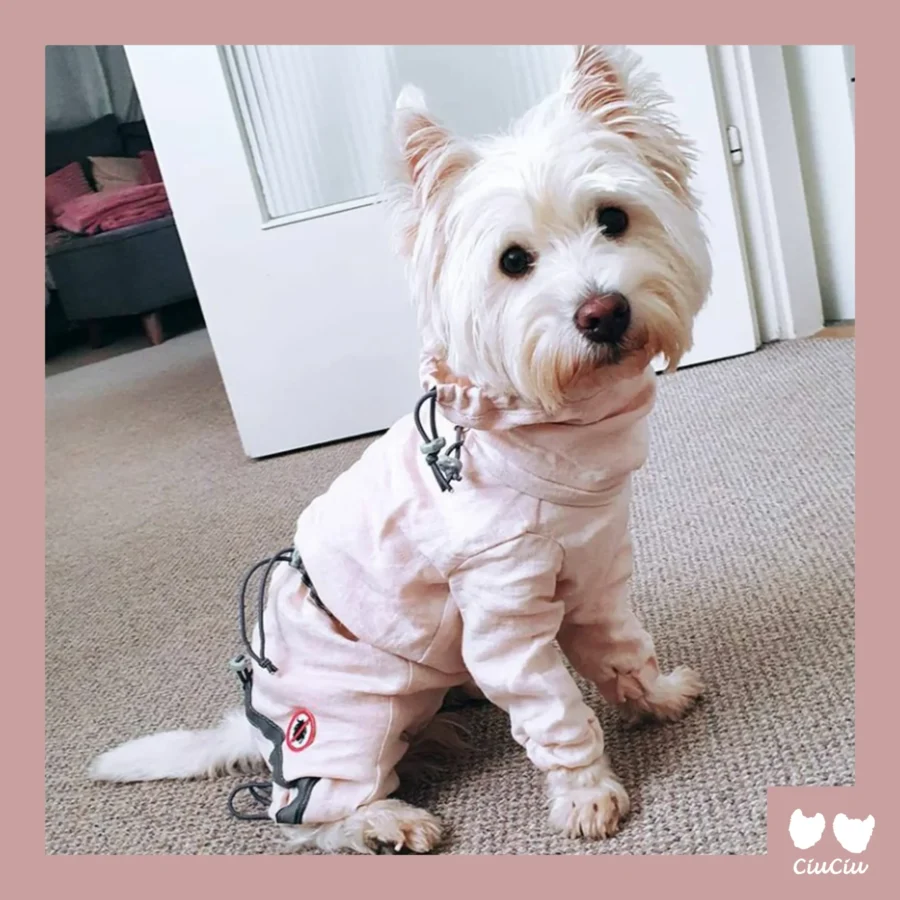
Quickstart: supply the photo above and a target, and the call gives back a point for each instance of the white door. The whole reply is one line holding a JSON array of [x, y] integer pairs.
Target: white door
[[272, 157]]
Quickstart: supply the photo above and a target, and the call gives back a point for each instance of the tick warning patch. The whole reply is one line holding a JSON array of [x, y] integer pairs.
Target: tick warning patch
[[301, 730]]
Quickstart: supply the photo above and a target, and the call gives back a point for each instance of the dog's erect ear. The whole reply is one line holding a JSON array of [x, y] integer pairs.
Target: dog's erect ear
[[428, 160], [610, 85], [598, 86], [430, 156]]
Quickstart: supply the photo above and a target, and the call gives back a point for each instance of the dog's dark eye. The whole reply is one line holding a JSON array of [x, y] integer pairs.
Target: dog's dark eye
[[613, 221], [515, 261]]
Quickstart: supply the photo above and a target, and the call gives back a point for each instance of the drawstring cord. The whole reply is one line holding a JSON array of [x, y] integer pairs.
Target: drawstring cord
[[288, 555], [260, 793], [270, 562], [446, 467]]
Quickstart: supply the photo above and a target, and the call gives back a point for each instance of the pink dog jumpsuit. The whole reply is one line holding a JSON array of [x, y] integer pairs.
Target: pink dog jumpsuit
[[424, 590]]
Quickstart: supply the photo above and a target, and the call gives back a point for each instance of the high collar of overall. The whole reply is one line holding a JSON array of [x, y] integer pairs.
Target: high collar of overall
[[577, 455]]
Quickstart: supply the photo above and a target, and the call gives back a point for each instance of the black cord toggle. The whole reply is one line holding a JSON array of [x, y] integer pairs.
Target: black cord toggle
[[447, 467]]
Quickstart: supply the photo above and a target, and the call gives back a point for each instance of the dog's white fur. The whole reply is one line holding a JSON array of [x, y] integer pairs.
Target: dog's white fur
[[605, 138]]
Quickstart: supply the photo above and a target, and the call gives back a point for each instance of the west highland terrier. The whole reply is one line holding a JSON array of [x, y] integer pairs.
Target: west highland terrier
[[484, 539]]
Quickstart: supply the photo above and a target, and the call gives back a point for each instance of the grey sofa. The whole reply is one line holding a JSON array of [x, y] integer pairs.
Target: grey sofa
[[137, 270]]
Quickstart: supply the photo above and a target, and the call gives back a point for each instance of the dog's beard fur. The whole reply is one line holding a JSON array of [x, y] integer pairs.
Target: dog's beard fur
[[603, 140]]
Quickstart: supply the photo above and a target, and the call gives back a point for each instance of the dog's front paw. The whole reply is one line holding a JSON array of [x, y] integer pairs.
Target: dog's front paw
[[588, 803], [668, 699]]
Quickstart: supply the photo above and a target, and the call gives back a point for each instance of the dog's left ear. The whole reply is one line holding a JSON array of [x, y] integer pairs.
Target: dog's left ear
[[428, 160], [431, 157], [610, 85]]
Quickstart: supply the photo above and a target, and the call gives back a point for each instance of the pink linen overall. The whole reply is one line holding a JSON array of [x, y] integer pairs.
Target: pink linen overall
[[426, 590]]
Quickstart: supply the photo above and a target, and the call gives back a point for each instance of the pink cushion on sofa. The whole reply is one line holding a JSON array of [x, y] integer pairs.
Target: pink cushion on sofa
[[63, 186], [152, 175]]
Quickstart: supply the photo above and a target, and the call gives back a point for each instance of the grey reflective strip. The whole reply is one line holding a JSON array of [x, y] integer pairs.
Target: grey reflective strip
[[292, 814], [270, 731]]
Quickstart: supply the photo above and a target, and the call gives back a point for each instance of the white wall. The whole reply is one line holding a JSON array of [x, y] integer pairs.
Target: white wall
[[821, 100]]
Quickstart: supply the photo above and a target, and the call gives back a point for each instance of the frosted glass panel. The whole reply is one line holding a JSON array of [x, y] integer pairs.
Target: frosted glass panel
[[316, 119]]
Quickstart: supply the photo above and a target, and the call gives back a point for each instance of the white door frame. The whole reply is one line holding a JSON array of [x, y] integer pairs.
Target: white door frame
[[769, 185]]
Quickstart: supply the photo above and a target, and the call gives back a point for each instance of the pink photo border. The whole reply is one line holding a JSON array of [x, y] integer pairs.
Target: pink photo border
[[462, 22]]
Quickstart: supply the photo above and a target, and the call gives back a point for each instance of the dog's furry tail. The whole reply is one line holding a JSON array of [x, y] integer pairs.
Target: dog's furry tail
[[229, 747]]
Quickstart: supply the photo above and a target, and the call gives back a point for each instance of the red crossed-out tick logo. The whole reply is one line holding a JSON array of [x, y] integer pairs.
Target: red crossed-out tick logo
[[301, 730]]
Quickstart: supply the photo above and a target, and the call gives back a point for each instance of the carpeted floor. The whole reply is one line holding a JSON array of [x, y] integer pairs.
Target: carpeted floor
[[743, 521]]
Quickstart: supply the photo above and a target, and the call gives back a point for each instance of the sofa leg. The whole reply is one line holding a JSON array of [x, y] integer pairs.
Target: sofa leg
[[95, 334], [153, 328]]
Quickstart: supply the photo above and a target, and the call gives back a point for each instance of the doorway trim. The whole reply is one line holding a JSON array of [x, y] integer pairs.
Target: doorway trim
[[769, 187]]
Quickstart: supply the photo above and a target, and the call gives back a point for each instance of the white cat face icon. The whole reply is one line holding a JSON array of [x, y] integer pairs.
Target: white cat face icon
[[806, 832], [852, 834]]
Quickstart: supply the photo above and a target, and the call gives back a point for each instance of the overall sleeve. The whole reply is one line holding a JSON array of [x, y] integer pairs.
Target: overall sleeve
[[506, 597], [604, 640]]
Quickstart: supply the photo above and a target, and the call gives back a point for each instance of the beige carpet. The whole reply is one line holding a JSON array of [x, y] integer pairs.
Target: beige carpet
[[744, 523]]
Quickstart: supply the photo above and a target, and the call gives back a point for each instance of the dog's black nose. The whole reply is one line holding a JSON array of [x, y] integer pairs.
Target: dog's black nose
[[604, 318]]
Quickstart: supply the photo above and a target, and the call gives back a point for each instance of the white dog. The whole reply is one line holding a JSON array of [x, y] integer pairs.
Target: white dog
[[549, 266]]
